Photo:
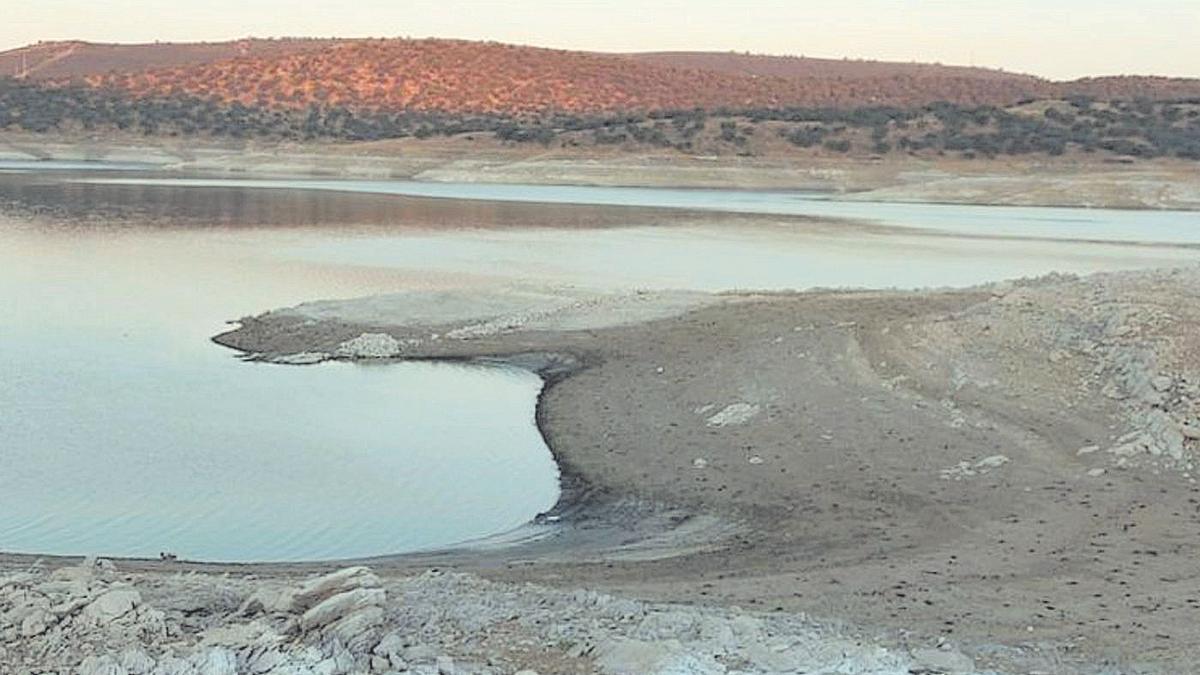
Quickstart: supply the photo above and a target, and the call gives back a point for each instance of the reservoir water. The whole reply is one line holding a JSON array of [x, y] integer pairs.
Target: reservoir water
[[125, 431]]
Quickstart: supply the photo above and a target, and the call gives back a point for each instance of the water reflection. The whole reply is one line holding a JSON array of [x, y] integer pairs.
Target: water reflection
[[174, 206]]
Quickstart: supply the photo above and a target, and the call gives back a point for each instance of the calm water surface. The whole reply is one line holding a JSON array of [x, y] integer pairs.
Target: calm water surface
[[124, 430], [1040, 222]]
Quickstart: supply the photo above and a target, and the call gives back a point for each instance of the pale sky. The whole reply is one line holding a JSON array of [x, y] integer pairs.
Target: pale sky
[[1053, 38]]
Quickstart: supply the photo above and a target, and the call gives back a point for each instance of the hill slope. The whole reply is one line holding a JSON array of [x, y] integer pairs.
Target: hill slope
[[801, 67], [482, 77], [460, 76], [74, 59]]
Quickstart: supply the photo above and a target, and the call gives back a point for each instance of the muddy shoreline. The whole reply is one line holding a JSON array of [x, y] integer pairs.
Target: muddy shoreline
[[1008, 469], [1005, 475]]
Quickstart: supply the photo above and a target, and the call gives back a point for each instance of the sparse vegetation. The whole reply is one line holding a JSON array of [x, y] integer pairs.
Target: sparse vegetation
[[1137, 128]]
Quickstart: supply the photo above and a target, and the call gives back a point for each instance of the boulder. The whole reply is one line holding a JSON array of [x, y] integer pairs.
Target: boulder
[[113, 604], [316, 590], [392, 645], [269, 600], [238, 635], [36, 623], [357, 630], [262, 659], [343, 604]]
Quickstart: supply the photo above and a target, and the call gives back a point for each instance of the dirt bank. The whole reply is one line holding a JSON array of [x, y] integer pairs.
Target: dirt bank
[[1077, 181]]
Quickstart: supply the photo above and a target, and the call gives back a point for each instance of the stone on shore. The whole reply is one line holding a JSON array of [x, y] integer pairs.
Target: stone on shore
[[370, 346], [113, 604]]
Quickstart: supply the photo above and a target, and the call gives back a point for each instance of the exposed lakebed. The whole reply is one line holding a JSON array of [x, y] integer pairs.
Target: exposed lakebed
[[124, 431]]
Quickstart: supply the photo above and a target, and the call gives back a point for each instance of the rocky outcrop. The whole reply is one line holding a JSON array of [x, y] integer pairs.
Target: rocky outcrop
[[370, 346], [1126, 338], [91, 620]]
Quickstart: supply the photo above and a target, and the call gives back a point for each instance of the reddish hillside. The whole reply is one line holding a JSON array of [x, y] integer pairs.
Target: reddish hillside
[[802, 67], [69, 60], [459, 76], [1131, 87]]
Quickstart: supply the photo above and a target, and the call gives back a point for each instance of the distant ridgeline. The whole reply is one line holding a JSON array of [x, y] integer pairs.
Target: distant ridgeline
[[698, 102], [1140, 128]]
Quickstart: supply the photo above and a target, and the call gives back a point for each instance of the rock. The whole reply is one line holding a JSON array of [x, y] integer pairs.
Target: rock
[[269, 600], [113, 604], [171, 665], [1087, 450], [370, 346], [527, 672], [700, 463], [238, 635], [733, 414], [262, 659], [79, 573], [343, 604], [755, 459], [944, 660], [314, 591], [101, 665], [391, 645], [136, 662], [357, 630], [420, 653], [36, 623], [636, 657], [992, 462], [215, 661], [1166, 437], [341, 663], [1096, 472], [1190, 432], [1162, 383]]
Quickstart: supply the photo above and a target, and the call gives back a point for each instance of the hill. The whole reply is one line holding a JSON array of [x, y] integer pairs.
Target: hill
[[803, 67], [463, 77], [76, 59]]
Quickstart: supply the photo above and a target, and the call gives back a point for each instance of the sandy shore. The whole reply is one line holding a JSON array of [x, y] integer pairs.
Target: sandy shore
[[1087, 182], [998, 479]]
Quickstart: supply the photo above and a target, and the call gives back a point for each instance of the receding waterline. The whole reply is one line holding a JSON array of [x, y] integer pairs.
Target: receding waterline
[[124, 431]]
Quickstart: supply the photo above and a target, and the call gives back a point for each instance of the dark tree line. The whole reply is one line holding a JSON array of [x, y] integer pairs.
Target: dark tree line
[[1139, 128]]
